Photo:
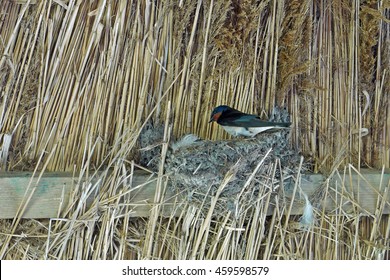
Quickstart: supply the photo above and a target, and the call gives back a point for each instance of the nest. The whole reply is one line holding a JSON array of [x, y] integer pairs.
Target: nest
[[198, 167]]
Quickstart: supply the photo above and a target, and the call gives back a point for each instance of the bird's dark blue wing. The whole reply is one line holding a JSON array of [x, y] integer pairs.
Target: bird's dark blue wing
[[237, 118]]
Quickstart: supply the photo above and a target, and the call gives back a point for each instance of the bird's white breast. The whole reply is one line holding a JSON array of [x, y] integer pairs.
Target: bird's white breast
[[242, 131]]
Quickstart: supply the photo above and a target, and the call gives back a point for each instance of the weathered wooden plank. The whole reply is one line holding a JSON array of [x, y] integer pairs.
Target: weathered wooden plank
[[356, 192], [52, 192]]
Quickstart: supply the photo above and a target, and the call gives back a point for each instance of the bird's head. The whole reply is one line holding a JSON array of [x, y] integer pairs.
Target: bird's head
[[217, 112]]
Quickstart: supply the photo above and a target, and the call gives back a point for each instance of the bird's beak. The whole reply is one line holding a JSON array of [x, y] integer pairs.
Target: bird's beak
[[211, 120]]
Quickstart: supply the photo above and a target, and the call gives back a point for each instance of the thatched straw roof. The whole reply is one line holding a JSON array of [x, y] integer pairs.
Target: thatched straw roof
[[79, 81]]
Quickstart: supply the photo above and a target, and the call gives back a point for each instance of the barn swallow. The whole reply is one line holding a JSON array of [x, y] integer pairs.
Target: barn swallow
[[238, 123]]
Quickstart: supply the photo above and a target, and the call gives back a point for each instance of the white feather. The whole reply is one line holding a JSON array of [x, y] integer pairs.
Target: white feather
[[307, 218], [186, 141]]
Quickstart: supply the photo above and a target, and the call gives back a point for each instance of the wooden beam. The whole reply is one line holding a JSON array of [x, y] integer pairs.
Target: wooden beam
[[363, 193]]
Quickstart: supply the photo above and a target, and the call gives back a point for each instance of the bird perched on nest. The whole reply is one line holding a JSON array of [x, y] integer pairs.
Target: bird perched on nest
[[238, 123]]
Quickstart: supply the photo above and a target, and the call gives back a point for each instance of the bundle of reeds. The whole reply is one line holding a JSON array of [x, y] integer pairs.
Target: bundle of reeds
[[259, 224], [85, 74], [80, 79]]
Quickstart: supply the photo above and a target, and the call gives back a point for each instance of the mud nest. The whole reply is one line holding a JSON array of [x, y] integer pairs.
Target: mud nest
[[198, 167]]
